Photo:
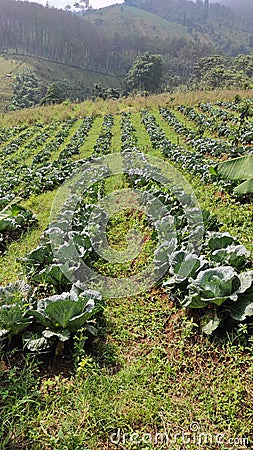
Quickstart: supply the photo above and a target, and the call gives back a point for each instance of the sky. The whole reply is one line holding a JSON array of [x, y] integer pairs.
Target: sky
[[61, 3]]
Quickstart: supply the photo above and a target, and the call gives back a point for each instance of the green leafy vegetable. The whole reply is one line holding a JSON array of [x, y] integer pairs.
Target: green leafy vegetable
[[215, 286]]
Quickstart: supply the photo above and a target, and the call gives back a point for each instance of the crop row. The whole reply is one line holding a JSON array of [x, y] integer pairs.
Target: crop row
[[189, 160], [240, 132], [44, 321], [128, 136], [103, 142], [38, 178], [214, 147], [212, 277], [16, 143], [235, 106], [45, 154], [28, 149], [9, 133], [217, 113]]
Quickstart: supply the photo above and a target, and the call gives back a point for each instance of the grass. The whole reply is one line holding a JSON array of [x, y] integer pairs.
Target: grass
[[134, 22], [119, 225], [150, 370], [55, 154], [87, 148], [100, 107], [151, 375], [10, 266], [143, 141], [235, 216], [50, 138], [116, 137]]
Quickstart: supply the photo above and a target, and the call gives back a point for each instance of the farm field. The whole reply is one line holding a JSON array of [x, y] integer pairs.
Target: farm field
[[164, 366]]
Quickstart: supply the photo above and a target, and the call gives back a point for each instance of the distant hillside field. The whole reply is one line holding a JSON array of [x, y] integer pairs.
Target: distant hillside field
[[108, 40], [47, 71]]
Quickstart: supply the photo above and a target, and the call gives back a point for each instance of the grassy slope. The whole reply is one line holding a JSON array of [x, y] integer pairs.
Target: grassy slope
[[101, 107], [130, 21], [150, 371], [55, 71], [47, 71], [7, 67]]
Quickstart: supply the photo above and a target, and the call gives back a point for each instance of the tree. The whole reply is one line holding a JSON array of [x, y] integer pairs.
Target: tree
[[99, 91], [67, 8], [145, 74], [53, 95], [82, 5], [26, 89]]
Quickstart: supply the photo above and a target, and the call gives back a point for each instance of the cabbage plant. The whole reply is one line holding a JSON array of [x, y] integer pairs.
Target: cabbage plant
[[215, 285], [63, 315], [15, 303]]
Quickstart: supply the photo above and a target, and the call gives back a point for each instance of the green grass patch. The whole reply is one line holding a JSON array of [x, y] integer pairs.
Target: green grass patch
[[87, 148], [143, 141], [10, 266], [151, 375]]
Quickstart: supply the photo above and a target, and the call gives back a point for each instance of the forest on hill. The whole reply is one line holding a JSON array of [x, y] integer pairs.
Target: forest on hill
[[105, 39], [99, 47]]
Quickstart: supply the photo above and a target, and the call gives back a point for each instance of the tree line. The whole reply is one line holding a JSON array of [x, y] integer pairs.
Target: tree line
[[60, 36], [64, 37]]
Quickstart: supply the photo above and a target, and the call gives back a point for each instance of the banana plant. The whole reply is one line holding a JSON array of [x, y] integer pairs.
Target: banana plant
[[238, 169]]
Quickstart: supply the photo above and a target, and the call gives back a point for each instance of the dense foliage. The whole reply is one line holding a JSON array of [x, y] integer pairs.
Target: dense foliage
[[214, 72], [145, 75], [14, 220]]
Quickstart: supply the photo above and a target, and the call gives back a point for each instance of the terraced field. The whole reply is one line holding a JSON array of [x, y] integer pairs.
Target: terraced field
[[131, 333]]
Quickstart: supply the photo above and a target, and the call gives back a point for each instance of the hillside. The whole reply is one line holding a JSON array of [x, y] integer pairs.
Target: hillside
[[131, 31], [229, 32], [180, 30], [99, 47], [112, 37], [134, 21], [77, 83], [243, 7]]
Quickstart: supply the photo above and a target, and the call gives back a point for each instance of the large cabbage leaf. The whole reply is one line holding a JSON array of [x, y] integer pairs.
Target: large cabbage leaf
[[183, 265], [216, 240], [233, 255], [15, 304], [215, 285], [243, 307], [68, 310]]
